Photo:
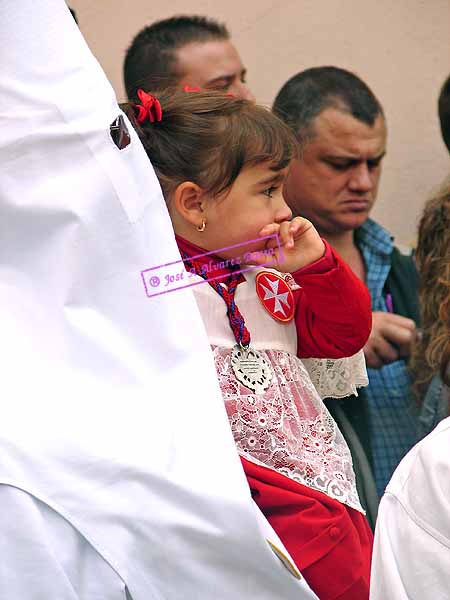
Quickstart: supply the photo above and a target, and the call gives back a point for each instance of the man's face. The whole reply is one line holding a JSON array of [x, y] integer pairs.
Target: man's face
[[213, 65], [335, 182]]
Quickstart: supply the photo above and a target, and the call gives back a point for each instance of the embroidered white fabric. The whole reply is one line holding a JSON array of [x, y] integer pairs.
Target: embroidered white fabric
[[337, 378], [288, 428]]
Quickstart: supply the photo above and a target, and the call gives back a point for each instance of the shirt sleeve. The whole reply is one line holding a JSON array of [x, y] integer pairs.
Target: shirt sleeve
[[333, 313]]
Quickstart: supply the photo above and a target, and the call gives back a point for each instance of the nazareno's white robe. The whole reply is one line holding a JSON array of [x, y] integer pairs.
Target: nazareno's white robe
[[118, 473], [411, 557]]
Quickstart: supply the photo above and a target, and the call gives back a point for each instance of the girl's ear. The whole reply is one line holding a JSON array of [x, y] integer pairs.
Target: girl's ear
[[188, 201]]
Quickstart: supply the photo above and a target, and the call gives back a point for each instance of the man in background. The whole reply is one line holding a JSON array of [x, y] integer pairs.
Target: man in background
[[342, 129], [184, 51]]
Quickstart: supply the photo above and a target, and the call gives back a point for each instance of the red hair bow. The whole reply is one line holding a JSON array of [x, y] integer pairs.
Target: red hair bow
[[150, 108]]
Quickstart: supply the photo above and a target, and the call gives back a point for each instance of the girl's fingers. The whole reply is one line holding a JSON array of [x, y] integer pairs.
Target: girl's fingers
[[262, 258], [286, 235], [296, 225], [270, 229], [301, 226]]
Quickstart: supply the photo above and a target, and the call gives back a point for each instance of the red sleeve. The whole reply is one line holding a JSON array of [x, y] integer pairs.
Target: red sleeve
[[330, 543], [333, 312]]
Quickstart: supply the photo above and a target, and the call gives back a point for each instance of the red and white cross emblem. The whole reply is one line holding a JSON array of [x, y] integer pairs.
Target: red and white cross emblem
[[276, 296]]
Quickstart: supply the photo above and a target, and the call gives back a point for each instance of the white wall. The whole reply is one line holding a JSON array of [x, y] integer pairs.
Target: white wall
[[401, 48]]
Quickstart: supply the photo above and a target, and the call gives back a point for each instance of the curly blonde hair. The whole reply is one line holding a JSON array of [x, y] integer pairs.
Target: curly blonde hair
[[431, 353]]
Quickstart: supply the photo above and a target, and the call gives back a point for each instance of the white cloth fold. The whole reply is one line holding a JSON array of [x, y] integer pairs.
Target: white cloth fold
[[411, 556]]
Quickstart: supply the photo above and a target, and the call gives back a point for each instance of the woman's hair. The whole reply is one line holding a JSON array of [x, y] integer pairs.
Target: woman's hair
[[209, 138], [431, 353]]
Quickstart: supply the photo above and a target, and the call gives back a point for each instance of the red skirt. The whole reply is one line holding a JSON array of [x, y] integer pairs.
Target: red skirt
[[330, 542]]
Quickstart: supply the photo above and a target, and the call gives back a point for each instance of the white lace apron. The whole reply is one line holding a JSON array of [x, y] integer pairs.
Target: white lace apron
[[287, 428]]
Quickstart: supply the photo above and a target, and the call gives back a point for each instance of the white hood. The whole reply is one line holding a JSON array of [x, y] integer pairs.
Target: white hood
[[109, 398]]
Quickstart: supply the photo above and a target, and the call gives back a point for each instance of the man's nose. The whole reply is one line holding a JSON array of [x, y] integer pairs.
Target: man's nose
[[361, 180]]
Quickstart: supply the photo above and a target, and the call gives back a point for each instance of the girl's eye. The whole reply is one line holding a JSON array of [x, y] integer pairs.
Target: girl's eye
[[269, 191]]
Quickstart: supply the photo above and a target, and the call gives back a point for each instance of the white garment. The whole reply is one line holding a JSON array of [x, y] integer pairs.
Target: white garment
[[411, 559], [105, 491], [287, 427]]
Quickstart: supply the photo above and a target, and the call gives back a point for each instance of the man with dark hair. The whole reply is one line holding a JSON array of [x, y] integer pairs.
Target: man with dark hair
[[184, 51], [342, 129], [444, 112]]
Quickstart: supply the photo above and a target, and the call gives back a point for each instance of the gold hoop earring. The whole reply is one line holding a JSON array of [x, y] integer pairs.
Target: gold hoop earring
[[202, 227]]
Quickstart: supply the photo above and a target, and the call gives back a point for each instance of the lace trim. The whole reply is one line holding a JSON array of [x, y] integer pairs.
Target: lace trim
[[288, 428], [337, 378]]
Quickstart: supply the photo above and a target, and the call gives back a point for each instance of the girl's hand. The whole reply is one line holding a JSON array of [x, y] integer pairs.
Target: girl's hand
[[297, 244]]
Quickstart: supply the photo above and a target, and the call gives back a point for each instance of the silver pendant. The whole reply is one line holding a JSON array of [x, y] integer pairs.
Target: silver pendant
[[251, 369]]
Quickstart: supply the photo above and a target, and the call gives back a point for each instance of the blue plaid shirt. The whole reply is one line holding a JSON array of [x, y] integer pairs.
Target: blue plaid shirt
[[392, 423]]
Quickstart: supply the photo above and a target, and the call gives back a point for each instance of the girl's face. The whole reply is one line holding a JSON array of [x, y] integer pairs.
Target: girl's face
[[253, 201]]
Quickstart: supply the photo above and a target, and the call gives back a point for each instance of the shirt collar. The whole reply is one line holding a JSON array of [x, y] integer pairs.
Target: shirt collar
[[374, 237]]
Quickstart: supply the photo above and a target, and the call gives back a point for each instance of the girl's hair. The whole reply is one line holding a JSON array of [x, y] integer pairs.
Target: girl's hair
[[431, 353], [209, 138]]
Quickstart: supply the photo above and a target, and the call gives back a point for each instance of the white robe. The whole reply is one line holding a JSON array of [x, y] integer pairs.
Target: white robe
[[108, 398], [411, 559]]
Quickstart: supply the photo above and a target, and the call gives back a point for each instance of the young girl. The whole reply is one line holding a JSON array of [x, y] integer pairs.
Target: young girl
[[221, 162]]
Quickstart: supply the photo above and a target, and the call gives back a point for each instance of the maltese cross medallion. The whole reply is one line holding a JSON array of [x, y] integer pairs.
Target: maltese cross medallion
[[276, 296]]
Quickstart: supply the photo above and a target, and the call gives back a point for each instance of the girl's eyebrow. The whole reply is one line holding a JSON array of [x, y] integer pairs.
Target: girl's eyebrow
[[278, 177]]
